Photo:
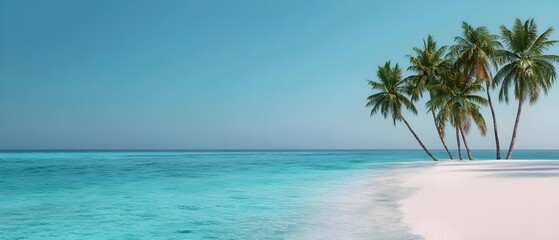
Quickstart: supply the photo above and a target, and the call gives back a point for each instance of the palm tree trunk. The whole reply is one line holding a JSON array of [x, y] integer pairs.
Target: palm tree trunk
[[497, 144], [466, 145], [458, 143], [512, 141], [441, 135], [418, 140]]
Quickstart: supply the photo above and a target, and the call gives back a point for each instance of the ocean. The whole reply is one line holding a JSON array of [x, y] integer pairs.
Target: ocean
[[208, 194]]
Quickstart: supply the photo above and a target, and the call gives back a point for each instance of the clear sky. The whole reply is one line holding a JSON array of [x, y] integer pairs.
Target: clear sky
[[232, 74]]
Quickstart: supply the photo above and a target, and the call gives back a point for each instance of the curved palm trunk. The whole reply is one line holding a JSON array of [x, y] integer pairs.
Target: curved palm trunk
[[417, 138], [497, 144], [441, 135], [458, 143], [512, 141], [440, 132], [466, 145]]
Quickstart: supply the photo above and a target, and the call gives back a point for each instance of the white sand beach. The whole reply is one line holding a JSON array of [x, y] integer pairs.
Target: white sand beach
[[498, 199]]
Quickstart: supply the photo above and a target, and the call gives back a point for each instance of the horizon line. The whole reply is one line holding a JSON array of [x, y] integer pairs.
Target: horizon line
[[240, 149]]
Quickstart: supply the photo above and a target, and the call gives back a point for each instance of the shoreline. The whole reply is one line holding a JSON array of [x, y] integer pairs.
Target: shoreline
[[489, 199], [364, 206]]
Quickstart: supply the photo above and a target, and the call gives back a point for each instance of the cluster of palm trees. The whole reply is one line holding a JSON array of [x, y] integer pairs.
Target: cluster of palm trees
[[451, 77]]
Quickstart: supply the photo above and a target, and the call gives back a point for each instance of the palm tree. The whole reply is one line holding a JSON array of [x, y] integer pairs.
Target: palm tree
[[427, 65], [457, 104], [390, 98], [526, 66], [476, 51]]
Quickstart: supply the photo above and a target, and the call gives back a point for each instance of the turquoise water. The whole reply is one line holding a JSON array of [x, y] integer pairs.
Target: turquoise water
[[201, 195]]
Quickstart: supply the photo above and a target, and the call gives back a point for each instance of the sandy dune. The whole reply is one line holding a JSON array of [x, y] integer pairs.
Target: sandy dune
[[506, 199]]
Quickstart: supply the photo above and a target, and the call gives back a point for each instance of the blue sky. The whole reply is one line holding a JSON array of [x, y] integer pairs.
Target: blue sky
[[232, 74]]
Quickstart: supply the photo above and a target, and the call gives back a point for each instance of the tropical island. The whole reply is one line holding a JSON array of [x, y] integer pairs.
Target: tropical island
[[492, 199]]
